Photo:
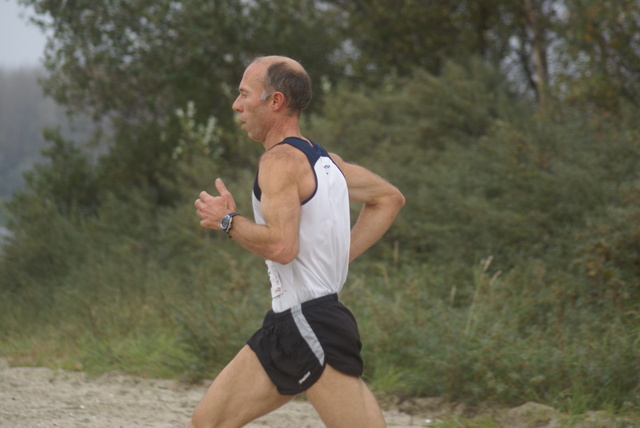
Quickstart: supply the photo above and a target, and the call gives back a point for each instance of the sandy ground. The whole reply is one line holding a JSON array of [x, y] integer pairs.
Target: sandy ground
[[41, 397], [33, 397]]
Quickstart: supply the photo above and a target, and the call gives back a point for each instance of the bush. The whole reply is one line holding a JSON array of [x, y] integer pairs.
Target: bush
[[513, 343]]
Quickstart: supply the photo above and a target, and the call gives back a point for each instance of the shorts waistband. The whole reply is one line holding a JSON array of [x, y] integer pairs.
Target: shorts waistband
[[275, 316]]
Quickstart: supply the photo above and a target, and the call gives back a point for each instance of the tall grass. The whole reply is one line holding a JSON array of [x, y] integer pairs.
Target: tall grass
[[505, 345]]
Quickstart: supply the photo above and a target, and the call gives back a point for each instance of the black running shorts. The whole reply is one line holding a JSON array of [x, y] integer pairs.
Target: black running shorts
[[294, 346]]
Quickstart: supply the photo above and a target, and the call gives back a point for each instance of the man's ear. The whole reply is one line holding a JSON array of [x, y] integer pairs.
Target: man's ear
[[278, 101]]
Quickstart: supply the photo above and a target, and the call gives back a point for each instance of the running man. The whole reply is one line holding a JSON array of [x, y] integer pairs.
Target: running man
[[309, 342]]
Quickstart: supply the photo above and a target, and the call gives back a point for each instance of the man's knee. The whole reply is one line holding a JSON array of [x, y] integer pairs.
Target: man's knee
[[206, 416], [198, 422]]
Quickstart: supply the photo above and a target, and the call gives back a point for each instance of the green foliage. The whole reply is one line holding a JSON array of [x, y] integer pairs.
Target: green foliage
[[129, 293], [493, 178], [510, 276], [513, 343], [482, 173], [601, 57], [422, 34], [518, 36], [415, 35], [133, 64], [143, 58]]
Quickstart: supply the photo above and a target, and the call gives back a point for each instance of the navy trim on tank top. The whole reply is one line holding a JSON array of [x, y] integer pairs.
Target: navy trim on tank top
[[313, 152]]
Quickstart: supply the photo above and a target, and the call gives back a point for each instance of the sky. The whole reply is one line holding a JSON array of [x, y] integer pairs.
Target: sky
[[21, 44]]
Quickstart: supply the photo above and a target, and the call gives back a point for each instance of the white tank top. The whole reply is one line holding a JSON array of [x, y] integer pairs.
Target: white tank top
[[325, 230]]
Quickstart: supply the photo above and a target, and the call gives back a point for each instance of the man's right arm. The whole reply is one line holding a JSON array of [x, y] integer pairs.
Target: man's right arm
[[278, 238]]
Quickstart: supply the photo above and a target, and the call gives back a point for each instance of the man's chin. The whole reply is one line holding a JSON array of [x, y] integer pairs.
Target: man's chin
[[250, 134], [253, 137]]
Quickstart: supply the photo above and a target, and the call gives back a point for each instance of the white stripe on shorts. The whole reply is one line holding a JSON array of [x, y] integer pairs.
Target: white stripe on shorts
[[307, 332]]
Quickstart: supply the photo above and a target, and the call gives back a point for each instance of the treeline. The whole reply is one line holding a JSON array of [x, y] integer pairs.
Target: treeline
[[512, 274], [24, 111], [24, 114]]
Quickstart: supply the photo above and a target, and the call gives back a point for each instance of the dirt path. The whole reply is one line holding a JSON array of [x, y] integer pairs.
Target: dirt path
[[36, 397], [41, 397]]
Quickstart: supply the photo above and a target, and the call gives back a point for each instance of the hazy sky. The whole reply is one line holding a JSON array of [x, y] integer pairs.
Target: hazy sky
[[21, 43]]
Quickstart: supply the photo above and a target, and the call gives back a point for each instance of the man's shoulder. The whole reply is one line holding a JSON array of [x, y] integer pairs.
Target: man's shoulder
[[281, 155]]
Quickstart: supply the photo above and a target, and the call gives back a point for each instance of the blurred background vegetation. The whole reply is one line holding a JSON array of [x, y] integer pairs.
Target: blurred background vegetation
[[511, 275]]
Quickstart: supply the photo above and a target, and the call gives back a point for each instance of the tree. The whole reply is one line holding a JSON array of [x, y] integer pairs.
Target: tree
[[143, 59], [600, 59], [398, 36], [401, 35], [136, 62], [24, 112]]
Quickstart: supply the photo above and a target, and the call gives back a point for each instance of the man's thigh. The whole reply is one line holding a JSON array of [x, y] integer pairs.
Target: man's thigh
[[241, 393], [344, 401]]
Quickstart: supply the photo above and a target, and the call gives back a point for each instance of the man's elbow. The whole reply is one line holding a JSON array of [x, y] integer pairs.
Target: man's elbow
[[284, 253], [396, 199], [399, 199]]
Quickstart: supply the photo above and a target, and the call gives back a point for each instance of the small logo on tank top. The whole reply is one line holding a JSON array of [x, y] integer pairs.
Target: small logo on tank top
[[274, 278]]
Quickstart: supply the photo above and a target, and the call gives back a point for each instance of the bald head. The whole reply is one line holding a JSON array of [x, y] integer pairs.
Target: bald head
[[273, 59], [287, 76]]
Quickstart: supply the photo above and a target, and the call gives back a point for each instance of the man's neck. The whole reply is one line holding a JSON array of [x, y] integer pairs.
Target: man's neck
[[277, 134]]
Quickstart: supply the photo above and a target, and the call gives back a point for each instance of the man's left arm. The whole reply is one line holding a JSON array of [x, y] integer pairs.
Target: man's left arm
[[381, 204]]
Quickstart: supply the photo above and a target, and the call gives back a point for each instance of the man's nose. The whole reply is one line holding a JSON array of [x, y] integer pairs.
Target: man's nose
[[236, 105]]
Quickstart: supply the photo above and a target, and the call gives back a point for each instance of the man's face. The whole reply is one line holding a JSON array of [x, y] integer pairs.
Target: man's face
[[252, 112]]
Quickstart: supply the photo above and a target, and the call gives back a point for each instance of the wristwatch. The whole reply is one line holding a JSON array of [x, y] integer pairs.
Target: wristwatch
[[227, 221]]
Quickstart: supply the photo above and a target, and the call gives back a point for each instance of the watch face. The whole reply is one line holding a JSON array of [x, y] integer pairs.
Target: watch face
[[225, 222]]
